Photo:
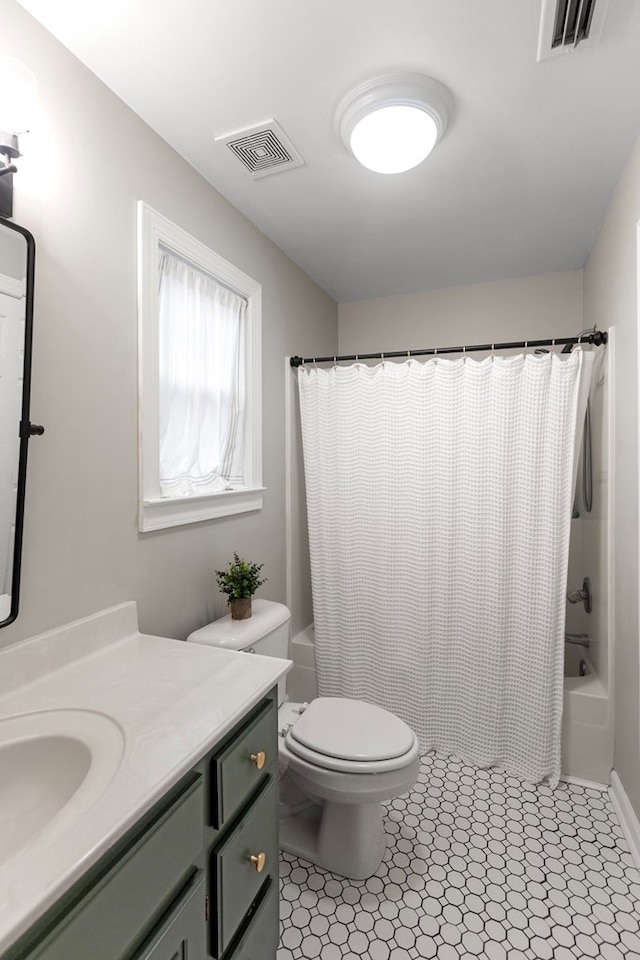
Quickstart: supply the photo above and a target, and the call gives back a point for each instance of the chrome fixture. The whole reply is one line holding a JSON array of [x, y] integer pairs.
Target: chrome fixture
[[583, 596], [580, 639]]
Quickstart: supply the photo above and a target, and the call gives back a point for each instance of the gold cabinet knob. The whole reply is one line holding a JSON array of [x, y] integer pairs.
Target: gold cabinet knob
[[259, 759], [259, 861]]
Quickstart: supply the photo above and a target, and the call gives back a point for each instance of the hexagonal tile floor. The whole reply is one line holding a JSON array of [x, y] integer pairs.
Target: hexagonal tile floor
[[478, 864]]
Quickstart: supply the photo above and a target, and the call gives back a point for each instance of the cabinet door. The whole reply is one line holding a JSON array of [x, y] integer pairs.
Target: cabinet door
[[131, 897], [241, 865], [244, 763], [182, 935], [259, 941]]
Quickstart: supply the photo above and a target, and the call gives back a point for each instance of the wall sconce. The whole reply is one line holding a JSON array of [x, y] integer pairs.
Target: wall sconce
[[17, 95]]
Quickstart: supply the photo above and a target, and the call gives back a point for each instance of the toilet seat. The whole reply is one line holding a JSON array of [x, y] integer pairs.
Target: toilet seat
[[351, 736]]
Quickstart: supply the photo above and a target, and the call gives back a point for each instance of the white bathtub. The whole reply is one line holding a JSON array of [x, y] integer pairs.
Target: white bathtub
[[587, 742]]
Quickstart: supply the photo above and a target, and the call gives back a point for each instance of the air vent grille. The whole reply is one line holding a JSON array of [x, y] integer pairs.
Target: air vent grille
[[573, 22], [264, 149], [569, 25]]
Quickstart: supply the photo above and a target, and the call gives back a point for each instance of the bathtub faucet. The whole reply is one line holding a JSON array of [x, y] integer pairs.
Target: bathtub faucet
[[581, 639], [584, 596]]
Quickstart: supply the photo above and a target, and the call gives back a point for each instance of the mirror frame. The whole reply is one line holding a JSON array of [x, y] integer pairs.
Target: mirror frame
[[25, 428]]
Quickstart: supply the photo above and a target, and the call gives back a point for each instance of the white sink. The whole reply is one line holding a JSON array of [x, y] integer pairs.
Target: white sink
[[54, 765]]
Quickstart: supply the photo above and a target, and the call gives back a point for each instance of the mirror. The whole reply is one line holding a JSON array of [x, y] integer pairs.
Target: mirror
[[17, 257]]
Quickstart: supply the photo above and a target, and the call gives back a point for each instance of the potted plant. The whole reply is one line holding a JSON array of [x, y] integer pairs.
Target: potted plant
[[240, 581]]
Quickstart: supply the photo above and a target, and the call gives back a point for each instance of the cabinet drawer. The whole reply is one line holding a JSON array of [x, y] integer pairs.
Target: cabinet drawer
[[181, 934], [235, 775], [260, 939], [235, 879], [134, 893]]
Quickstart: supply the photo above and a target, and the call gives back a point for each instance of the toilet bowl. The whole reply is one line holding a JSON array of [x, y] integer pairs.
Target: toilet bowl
[[340, 759], [346, 757]]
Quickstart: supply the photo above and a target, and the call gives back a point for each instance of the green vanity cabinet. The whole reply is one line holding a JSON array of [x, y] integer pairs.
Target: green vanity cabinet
[[243, 859], [196, 878]]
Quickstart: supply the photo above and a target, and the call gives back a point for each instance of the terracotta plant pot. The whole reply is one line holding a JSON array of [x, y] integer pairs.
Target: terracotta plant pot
[[241, 609]]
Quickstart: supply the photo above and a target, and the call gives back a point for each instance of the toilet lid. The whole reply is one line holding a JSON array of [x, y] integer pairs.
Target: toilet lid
[[351, 730]]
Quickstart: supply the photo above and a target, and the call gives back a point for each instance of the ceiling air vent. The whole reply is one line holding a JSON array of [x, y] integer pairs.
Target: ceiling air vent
[[263, 149], [567, 23]]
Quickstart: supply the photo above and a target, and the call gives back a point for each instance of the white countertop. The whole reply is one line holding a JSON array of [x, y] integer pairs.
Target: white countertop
[[168, 702]]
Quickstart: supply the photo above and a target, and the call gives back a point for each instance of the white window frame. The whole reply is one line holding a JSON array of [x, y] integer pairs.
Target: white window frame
[[157, 512]]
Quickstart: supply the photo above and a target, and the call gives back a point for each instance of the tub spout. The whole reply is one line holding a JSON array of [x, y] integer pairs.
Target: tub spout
[[581, 639]]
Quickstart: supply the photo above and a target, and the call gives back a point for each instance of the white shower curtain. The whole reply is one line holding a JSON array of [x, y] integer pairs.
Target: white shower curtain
[[439, 500]]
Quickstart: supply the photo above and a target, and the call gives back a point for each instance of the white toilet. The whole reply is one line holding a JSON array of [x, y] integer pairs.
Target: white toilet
[[341, 758]]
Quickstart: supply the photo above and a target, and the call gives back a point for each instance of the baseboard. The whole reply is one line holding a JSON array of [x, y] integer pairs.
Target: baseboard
[[626, 815], [581, 782]]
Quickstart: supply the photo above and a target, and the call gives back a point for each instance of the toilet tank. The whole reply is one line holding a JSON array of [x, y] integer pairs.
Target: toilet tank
[[265, 632]]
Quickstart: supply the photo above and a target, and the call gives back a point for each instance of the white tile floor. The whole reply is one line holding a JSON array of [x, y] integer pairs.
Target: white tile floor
[[478, 864]]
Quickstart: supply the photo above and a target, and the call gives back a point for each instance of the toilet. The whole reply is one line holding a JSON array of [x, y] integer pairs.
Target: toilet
[[340, 758]]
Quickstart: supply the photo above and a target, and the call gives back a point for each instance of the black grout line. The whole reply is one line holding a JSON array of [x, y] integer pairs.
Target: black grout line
[[553, 880]]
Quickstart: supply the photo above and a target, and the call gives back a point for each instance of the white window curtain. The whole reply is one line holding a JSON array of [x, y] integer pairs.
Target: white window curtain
[[439, 501], [201, 378]]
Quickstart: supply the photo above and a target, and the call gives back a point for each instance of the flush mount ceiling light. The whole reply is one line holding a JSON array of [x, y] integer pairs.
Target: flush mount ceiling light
[[392, 123]]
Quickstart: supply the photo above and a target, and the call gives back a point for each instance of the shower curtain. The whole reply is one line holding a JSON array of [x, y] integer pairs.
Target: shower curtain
[[439, 502]]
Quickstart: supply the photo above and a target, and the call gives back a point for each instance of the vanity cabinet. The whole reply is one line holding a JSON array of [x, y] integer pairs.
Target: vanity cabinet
[[243, 860], [196, 878]]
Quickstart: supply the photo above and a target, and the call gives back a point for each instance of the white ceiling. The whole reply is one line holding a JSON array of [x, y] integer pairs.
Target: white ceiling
[[518, 186]]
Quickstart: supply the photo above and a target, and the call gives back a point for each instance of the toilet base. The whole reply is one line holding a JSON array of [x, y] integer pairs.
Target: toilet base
[[346, 839]]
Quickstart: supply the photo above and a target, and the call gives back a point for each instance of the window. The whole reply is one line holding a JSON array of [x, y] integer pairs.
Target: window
[[199, 323]]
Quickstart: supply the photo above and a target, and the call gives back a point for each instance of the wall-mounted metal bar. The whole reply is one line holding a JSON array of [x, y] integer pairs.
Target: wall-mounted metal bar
[[596, 337]]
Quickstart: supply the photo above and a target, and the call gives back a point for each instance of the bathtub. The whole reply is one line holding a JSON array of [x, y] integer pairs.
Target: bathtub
[[587, 739]]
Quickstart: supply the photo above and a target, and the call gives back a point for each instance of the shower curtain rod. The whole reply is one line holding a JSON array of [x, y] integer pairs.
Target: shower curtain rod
[[596, 337]]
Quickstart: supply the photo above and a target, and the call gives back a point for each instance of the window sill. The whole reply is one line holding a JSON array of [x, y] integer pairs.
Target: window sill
[[159, 514]]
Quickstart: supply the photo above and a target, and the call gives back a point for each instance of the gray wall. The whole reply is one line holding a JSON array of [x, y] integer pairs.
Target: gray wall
[[534, 307], [611, 297], [88, 159]]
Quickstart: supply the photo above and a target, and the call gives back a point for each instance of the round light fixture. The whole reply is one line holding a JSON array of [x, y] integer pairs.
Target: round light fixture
[[392, 123]]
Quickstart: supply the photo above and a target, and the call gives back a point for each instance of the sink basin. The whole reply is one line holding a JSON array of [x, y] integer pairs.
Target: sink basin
[[54, 765]]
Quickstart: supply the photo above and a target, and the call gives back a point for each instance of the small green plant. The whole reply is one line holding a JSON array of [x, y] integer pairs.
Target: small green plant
[[241, 579]]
